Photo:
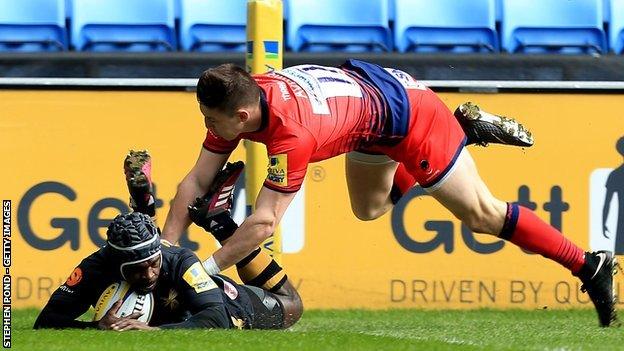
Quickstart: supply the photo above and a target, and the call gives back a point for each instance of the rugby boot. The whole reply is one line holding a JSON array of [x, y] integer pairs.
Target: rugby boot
[[213, 210], [483, 128], [597, 277], [138, 171]]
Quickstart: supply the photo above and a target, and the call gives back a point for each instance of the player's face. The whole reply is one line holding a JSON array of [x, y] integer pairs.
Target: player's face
[[222, 124], [143, 276]]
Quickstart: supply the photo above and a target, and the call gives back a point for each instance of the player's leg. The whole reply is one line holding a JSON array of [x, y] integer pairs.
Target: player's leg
[[370, 181], [275, 310], [376, 183], [138, 169], [468, 198], [212, 212]]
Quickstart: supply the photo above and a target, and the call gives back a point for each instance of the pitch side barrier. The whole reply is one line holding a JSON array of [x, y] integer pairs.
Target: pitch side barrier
[[189, 84], [63, 141]]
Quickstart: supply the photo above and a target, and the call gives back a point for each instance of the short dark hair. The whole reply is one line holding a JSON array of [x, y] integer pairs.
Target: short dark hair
[[227, 87]]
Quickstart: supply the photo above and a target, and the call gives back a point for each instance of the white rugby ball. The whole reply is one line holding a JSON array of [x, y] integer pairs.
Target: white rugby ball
[[132, 302]]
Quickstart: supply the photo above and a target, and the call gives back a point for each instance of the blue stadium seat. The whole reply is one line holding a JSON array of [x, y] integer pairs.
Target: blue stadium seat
[[338, 25], [616, 31], [213, 25], [553, 26], [606, 10], [32, 25], [123, 25], [456, 26]]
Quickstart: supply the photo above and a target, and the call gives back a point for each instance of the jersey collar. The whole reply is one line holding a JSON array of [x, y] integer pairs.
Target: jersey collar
[[264, 107]]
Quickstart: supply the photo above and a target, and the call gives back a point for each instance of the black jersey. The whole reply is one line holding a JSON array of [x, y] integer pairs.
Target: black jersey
[[184, 290]]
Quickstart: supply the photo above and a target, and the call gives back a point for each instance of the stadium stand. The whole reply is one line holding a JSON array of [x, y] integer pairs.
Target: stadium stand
[[123, 25], [445, 26], [499, 10], [554, 26], [32, 25], [338, 25], [616, 29], [213, 25]]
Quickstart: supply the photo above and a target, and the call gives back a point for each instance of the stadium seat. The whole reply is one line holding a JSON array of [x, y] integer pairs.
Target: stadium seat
[[553, 26], [616, 32], [32, 25], [213, 25], [338, 25], [456, 26], [606, 10], [123, 25]]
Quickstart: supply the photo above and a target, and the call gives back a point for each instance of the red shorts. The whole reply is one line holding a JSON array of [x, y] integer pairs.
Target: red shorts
[[434, 140]]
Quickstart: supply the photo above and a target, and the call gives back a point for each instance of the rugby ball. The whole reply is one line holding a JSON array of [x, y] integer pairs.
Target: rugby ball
[[132, 302]]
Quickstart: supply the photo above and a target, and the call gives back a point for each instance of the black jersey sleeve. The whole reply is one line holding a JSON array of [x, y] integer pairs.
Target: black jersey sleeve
[[71, 300], [200, 294]]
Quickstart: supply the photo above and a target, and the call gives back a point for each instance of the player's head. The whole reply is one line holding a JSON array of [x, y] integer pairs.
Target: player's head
[[134, 244], [619, 146], [226, 95]]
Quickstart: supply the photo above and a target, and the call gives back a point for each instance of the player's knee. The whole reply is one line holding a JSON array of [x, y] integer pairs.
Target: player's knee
[[291, 303], [481, 220], [367, 212], [293, 311]]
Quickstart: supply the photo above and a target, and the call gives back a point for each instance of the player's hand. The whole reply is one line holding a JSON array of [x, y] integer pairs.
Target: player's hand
[[131, 324], [213, 210], [110, 318]]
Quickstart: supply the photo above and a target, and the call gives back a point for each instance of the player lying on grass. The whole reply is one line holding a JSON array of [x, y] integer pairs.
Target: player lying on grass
[[185, 296], [395, 133]]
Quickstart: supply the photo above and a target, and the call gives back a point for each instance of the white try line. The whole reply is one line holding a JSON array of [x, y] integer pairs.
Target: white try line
[[192, 82]]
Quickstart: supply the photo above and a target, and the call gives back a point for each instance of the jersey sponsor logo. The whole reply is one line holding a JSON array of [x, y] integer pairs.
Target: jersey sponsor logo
[[230, 290], [66, 289], [74, 278], [198, 279], [407, 81], [278, 170]]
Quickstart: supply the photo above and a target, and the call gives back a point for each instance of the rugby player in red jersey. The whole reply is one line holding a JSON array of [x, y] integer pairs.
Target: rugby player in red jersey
[[395, 131]]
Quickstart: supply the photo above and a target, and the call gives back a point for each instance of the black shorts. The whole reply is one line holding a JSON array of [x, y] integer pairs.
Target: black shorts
[[258, 308], [268, 312]]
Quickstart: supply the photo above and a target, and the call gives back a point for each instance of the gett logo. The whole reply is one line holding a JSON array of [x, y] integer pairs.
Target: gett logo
[[71, 226], [445, 232]]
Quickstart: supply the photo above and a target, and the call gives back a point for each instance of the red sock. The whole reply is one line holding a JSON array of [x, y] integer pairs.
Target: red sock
[[523, 228], [403, 179]]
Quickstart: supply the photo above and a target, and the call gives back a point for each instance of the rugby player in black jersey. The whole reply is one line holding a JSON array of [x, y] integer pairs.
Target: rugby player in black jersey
[[185, 296]]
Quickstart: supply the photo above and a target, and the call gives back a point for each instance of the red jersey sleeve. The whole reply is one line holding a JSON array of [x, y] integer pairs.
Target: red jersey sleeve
[[218, 145], [288, 161]]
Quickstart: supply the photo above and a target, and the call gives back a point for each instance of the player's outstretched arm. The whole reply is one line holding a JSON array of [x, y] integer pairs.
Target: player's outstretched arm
[[270, 208], [68, 302], [195, 184], [57, 315]]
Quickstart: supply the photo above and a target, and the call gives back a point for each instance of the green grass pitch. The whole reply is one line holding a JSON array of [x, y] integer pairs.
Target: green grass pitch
[[354, 330]]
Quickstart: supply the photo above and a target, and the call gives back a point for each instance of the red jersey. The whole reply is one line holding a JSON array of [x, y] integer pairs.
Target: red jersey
[[312, 113]]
